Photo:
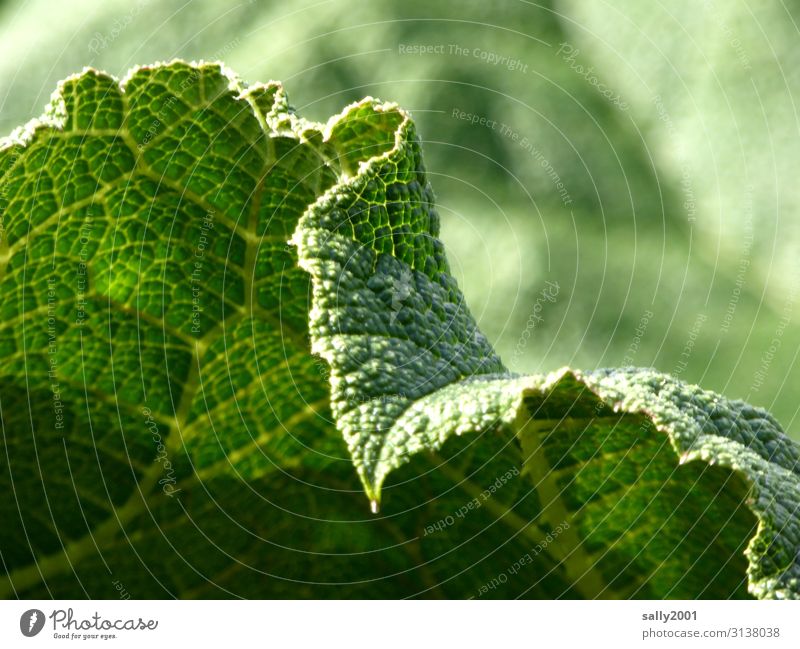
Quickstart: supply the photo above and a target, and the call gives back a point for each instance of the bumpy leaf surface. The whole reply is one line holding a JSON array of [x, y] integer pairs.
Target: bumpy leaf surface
[[168, 432]]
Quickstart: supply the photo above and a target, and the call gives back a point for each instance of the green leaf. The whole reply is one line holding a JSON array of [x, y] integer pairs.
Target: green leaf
[[647, 470], [167, 430], [386, 314], [409, 369], [144, 248]]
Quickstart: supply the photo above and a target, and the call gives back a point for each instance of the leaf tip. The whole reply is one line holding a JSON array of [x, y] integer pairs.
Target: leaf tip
[[373, 492], [372, 489]]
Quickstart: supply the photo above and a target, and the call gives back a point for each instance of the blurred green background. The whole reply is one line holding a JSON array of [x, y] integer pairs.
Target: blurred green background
[[640, 157]]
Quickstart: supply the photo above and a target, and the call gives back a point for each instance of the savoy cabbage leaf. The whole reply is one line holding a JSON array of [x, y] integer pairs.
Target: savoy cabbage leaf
[[212, 309]]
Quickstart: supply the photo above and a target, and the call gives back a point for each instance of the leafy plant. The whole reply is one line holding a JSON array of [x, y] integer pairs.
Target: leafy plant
[[212, 309]]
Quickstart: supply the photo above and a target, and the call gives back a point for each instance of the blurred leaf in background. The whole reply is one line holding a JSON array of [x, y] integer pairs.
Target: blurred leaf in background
[[616, 180]]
